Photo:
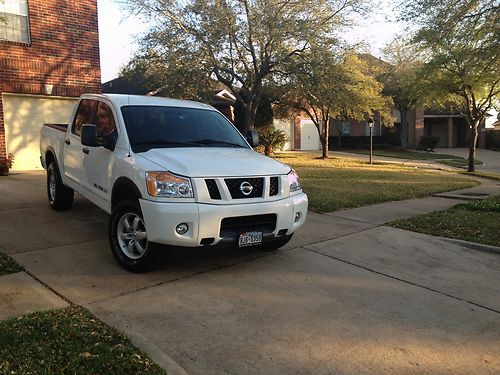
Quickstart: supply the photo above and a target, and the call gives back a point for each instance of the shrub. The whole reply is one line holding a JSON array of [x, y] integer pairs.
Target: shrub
[[427, 143], [272, 139], [6, 164]]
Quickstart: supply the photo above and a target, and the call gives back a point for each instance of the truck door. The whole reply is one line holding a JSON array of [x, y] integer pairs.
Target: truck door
[[73, 155], [97, 161]]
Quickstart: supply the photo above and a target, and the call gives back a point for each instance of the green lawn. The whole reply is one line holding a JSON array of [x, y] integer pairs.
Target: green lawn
[[412, 155], [68, 341], [475, 221], [7, 265], [342, 182]]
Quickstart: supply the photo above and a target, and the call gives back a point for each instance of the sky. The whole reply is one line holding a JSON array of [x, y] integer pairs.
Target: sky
[[118, 32]]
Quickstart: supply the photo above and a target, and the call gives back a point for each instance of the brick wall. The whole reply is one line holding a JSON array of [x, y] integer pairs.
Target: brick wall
[[62, 58]]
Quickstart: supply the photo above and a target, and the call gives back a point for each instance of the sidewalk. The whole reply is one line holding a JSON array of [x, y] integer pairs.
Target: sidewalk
[[21, 294], [422, 164], [490, 159]]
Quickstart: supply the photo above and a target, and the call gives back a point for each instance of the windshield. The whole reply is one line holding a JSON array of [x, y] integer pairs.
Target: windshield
[[160, 126]]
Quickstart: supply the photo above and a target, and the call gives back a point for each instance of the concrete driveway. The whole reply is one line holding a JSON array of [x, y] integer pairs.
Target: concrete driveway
[[346, 296], [490, 159]]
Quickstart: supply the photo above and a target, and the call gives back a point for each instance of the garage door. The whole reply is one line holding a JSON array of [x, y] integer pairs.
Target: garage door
[[23, 117], [309, 138]]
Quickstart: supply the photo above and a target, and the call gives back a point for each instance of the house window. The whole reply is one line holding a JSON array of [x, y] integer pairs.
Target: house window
[[345, 128], [14, 23]]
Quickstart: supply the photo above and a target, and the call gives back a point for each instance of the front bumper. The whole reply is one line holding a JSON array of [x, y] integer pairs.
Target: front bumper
[[204, 220]]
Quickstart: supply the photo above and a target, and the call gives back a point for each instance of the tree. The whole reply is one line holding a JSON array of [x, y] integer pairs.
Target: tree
[[461, 40], [334, 86], [241, 42], [402, 81], [171, 75], [3, 19]]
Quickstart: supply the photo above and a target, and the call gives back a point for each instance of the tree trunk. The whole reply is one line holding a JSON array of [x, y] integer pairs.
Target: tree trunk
[[248, 104], [472, 145], [268, 150], [247, 118], [403, 128], [324, 139]]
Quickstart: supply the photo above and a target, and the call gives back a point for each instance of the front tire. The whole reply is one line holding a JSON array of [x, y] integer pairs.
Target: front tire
[[60, 196], [128, 237]]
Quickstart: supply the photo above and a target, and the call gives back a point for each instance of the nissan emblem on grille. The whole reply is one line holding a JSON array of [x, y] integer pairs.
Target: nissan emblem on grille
[[246, 188]]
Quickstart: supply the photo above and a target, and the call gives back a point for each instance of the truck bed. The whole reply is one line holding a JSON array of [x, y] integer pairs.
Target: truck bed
[[61, 127]]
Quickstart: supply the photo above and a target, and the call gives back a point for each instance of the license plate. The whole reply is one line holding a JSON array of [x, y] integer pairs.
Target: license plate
[[250, 239]]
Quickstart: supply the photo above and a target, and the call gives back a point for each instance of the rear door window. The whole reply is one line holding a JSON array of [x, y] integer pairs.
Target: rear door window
[[84, 115]]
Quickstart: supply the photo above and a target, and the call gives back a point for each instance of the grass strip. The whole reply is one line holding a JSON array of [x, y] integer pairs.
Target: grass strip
[[8, 265], [489, 175], [68, 341], [474, 221], [411, 155], [459, 163], [342, 182]]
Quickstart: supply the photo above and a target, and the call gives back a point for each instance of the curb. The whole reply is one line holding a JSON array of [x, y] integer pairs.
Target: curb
[[474, 246], [155, 352]]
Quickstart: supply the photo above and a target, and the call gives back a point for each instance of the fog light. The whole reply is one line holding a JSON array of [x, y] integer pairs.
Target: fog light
[[297, 217], [182, 228]]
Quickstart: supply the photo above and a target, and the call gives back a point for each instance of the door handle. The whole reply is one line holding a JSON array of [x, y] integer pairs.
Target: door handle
[[85, 150], [67, 141]]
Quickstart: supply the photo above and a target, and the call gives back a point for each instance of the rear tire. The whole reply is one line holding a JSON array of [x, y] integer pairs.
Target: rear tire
[[128, 238], [60, 196], [276, 244]]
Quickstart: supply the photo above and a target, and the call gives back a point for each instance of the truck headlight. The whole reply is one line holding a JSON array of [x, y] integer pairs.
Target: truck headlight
[[165, 184], [294, 181]]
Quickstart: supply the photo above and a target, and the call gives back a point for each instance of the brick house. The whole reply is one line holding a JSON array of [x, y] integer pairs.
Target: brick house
[[302, 134], [49, 55], [447, 125]]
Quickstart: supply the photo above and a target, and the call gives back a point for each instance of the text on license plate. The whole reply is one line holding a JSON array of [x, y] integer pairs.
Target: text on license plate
[[250, 238]]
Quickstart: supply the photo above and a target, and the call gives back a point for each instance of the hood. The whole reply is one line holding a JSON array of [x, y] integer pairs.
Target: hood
[[214, 162]]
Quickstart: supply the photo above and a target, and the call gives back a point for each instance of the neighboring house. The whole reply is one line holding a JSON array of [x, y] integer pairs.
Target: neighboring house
[[449, 126], [303, 135], [49, 55]]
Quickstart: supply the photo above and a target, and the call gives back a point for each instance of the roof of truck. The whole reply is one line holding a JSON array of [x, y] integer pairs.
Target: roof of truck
[[120, 100]]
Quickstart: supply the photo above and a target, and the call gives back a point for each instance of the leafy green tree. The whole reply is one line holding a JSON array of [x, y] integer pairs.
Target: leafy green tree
[[461, 40], [2, 18], [169, 75], [241, 43], [402, 81], [337, 86]]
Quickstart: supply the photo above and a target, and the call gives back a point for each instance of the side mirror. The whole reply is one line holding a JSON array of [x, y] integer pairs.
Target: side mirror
[[253, 138], [88, 135]]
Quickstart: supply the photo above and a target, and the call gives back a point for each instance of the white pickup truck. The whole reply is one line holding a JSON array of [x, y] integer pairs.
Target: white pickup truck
[[169, 172]]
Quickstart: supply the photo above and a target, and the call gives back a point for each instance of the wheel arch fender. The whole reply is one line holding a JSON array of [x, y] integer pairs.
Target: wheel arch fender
[[124, 188], [50, 156]]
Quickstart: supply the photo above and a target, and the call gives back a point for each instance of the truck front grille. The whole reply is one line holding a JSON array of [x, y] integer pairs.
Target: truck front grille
[[234, 226], [235, 187], [213, 190], [274, 187]]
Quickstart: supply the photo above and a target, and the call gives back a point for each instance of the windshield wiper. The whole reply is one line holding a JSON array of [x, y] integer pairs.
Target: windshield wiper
[[164, 142], [217, 142]]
